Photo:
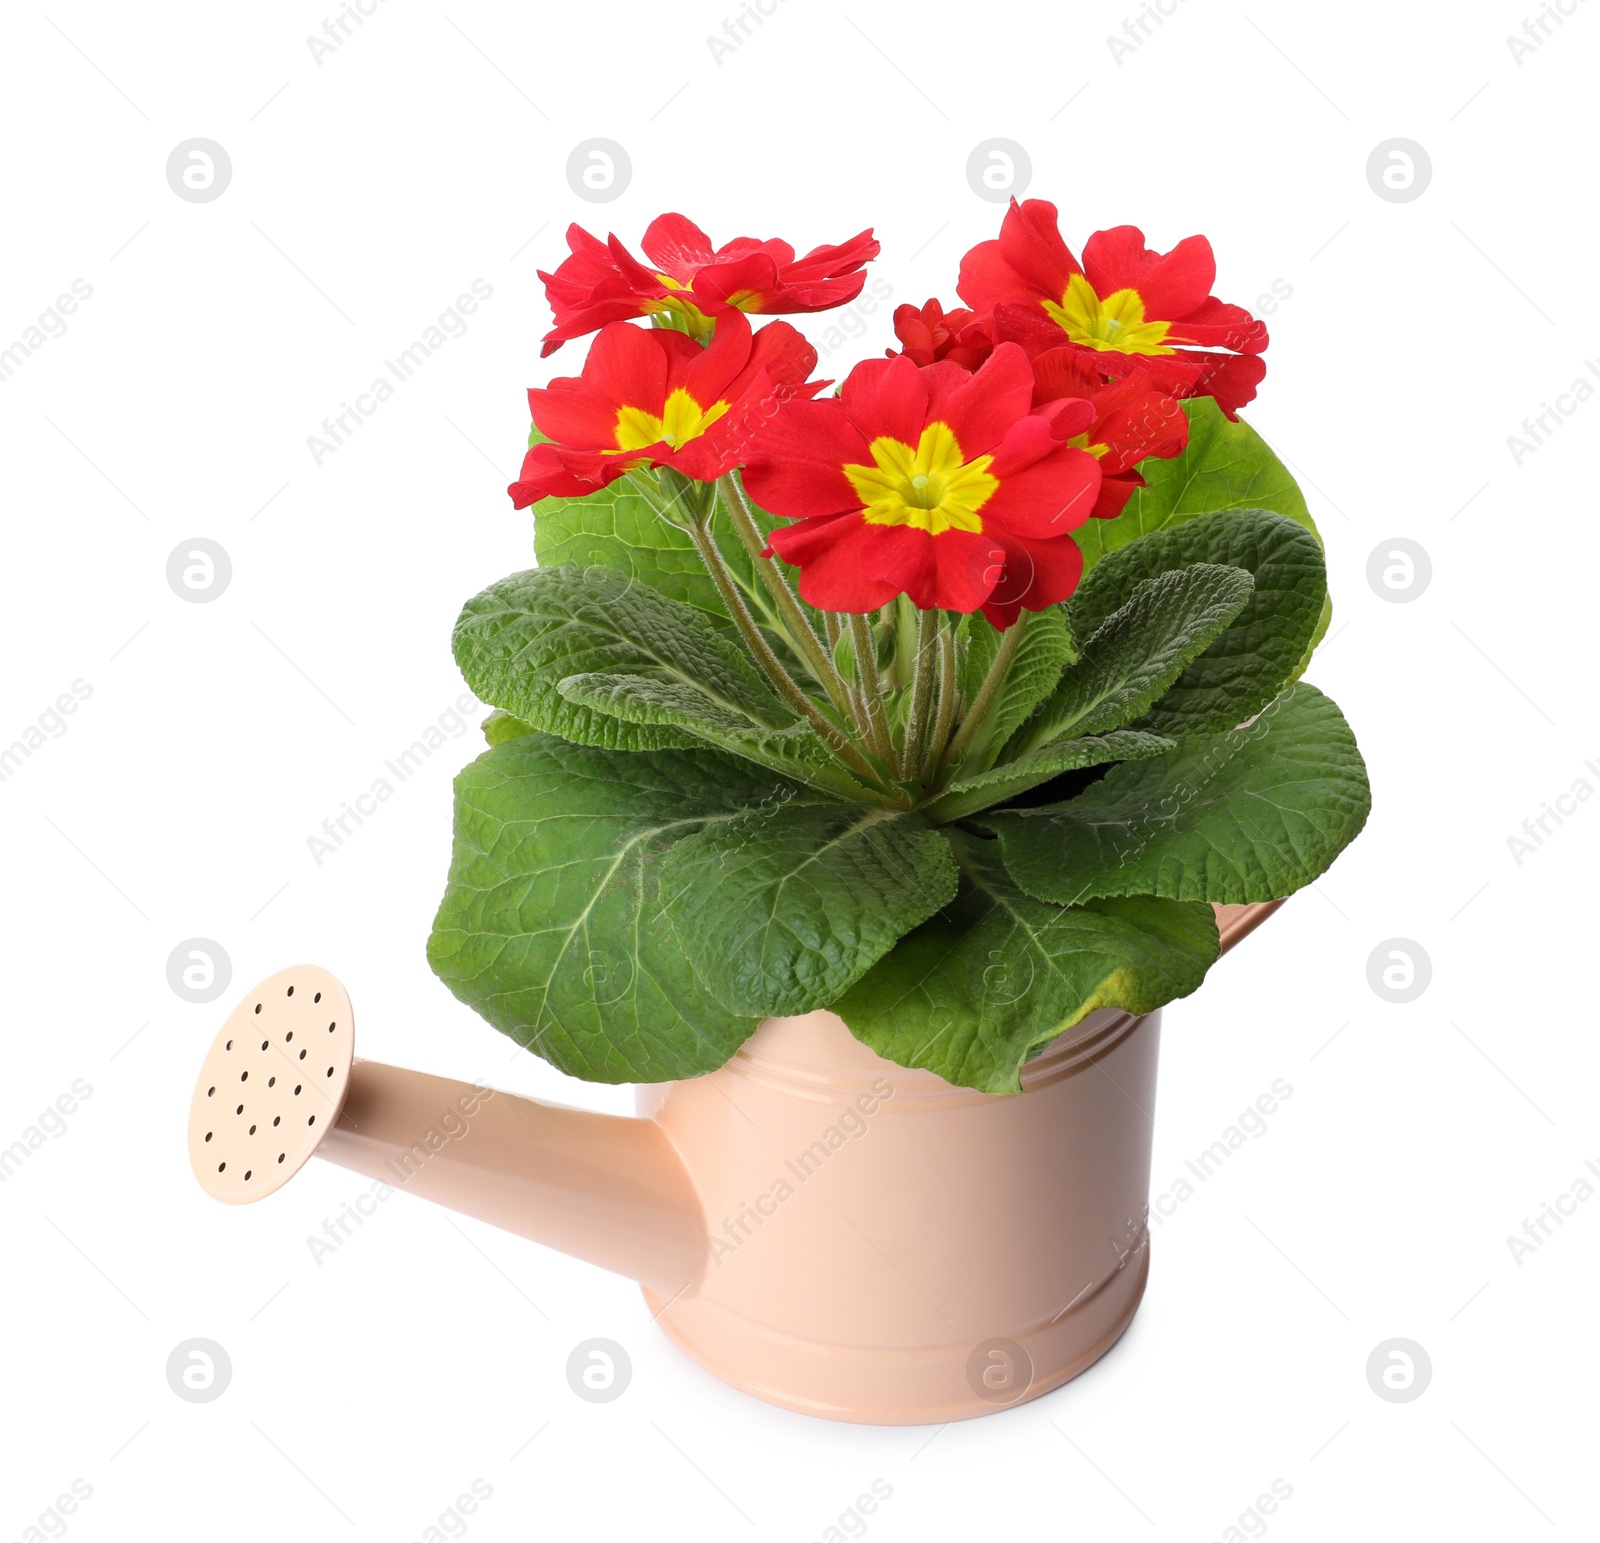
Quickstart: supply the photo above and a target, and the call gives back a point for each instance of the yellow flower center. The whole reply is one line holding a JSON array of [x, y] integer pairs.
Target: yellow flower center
[[682, 418], [1115, 323], [930, 487]]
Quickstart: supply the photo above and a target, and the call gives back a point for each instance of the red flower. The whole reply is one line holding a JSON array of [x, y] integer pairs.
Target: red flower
[[933, 333], [1132, 421], [934, 482], [603, 282], [1123, 305], [652, 397]]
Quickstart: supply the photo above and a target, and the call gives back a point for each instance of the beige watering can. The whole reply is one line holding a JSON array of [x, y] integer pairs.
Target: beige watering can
[[813, 1224]]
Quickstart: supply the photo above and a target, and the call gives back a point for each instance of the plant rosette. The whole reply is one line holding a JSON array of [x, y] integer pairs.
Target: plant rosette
[[983, 668]]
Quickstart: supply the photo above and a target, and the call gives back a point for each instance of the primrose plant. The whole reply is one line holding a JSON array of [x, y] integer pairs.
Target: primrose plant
[[948, 700]]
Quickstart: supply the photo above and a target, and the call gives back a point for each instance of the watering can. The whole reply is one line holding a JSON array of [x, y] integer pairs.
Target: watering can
[[815, 1225]]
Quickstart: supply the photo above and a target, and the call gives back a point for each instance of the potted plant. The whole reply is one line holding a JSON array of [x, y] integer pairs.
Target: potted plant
[[875, 756]]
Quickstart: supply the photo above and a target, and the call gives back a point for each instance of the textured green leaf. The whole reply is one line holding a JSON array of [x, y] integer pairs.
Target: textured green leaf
[[796, 751], [521, 637], [1012, 777], [620, 527], [1137, 652], [623, 527], [551, 923], [1227, 465], [1251, 814], [1046, 649], [1260, 651], [976, 991], [781, 908]]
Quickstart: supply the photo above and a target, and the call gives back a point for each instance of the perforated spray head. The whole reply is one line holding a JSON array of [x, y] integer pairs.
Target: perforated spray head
[[272, 1084]]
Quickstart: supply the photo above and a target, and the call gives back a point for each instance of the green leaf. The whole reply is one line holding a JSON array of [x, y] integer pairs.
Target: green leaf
[[520, 638], [795, 751], [551, 924], [1252, 814], [500, 726], [1012, 777], [781, 908], [1138, 651], [976, 991], [1260, 651], [1046, 649], [620, 527], [1227, 465]]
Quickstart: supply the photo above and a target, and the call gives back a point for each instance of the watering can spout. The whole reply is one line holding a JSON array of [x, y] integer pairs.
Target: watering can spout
[[281, 1084]]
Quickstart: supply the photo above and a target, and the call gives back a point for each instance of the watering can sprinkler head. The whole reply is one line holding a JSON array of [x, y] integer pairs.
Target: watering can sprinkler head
[[281, 1084]]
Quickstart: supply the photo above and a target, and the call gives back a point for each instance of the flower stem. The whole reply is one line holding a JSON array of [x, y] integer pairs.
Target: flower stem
[[921, 692], [771, 665], [799, 624], [949, 693], [979, 710], [866, 651]]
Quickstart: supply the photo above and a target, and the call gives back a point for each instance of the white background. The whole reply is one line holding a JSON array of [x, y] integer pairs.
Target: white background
[[367, 192]]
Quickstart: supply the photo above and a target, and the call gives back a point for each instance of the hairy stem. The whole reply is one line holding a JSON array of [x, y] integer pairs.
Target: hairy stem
[[770, 664], [866, 651], [988, 691], [922, 674], [783, 596], [949, 692]]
